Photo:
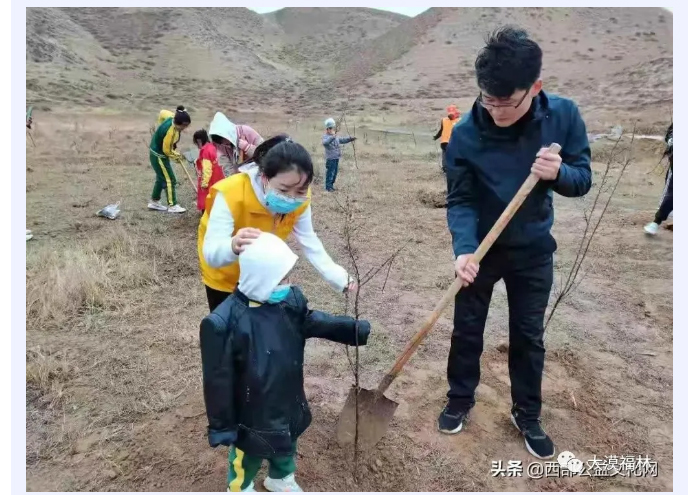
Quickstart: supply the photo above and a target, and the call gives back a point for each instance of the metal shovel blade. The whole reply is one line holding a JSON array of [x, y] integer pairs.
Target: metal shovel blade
[[375, 413]]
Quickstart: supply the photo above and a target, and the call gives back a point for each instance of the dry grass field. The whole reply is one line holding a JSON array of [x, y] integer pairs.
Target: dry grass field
[[114, 398]]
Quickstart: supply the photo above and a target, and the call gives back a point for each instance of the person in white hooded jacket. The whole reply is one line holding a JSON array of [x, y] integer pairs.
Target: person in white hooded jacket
[[235, 143], [273, 196], [252, 350]]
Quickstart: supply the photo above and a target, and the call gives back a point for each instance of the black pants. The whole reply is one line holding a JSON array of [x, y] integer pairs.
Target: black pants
[[528, 280], [215, 297], [444, 145], [666, 204]]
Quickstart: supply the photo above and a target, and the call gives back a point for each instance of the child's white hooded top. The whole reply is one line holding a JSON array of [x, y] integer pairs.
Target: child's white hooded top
[[263, 265]]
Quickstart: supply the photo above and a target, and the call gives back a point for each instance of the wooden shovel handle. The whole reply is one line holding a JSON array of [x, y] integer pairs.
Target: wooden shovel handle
[[456, 285], [183, 166]]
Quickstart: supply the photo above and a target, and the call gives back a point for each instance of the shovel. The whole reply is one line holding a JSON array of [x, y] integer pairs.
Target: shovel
[[370, 408], [183, 166]]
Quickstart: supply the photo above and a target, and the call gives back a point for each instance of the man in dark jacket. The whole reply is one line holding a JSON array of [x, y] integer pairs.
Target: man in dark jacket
[[502, 139], [252, 349], [666, 203]]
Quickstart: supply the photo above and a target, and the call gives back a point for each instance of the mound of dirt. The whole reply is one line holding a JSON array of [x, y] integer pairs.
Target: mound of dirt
[[432, 199]]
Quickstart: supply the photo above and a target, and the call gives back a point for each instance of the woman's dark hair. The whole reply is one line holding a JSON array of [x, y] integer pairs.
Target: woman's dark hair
[[181, 116], [509, 61], [201, 136], [263, 148], [281, 154], [219, 140]]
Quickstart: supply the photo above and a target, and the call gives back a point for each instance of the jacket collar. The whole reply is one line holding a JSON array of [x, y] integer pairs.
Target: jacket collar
[[244, 299], [487, 128]]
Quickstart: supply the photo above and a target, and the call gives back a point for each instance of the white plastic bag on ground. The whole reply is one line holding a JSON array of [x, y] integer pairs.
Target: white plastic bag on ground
[[111, 211]]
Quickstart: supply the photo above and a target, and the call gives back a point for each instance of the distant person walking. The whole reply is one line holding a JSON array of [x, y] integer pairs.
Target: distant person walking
[[162, 151], [666, 203], [447, 124], [331, 144], [235, 144]]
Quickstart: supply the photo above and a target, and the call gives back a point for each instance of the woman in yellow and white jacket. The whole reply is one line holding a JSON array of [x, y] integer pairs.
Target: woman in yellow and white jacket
[[271, 194]]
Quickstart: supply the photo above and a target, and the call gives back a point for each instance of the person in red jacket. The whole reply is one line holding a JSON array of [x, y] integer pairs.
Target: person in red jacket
[[209, 171]]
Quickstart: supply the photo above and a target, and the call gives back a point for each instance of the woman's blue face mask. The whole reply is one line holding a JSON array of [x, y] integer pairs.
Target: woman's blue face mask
[[281, 204]]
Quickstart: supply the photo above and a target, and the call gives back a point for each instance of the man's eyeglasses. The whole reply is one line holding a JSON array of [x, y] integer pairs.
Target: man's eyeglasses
[[488, 104]]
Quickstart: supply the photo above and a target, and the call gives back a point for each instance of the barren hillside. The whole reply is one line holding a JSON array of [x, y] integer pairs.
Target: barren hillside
[[318, 37], [602, 57], [151, 56], [616, 62]]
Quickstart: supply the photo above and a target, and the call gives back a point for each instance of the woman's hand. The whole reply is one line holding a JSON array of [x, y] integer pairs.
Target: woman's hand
[[243, 238]]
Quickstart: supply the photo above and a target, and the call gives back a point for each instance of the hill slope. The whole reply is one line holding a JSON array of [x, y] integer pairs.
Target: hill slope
[[317, 38], [600, 56], [305, 60]]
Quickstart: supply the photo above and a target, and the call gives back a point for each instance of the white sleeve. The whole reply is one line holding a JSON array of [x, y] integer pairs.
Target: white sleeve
[[217, 243], [313, 249]]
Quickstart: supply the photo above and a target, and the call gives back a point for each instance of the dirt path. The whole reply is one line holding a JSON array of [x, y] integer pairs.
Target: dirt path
[[114, 398]]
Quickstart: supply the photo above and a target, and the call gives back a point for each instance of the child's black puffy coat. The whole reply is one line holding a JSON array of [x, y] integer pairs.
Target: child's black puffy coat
[[253, 379]]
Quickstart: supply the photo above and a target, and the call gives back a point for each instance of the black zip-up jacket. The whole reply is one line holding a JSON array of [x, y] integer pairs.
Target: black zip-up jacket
[[253, 376], [487, 164], [668, 138]]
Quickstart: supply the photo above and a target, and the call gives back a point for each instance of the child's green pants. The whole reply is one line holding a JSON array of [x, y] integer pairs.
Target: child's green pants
[[244, 468]]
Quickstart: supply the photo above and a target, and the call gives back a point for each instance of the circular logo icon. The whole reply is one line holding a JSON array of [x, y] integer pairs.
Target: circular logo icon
[[564, 457]]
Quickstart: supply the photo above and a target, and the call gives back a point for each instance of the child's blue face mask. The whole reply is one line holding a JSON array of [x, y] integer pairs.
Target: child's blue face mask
[[280, 204], [279, 294]]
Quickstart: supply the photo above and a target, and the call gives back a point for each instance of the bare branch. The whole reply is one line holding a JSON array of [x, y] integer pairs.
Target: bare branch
[[370, 275], [658, 166], [571, 283], [347, 129], [342, 208]]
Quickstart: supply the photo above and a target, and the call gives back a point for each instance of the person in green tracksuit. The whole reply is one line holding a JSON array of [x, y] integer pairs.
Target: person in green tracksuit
[[162, 151]]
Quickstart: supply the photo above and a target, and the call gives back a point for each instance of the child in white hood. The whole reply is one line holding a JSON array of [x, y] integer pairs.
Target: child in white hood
[[235, 143], [252, 348]]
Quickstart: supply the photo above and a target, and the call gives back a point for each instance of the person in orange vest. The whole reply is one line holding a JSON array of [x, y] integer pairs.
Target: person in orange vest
[[445, 128]]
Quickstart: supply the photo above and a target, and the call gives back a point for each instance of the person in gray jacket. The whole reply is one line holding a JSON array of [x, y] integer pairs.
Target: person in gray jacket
[[331, 143]]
